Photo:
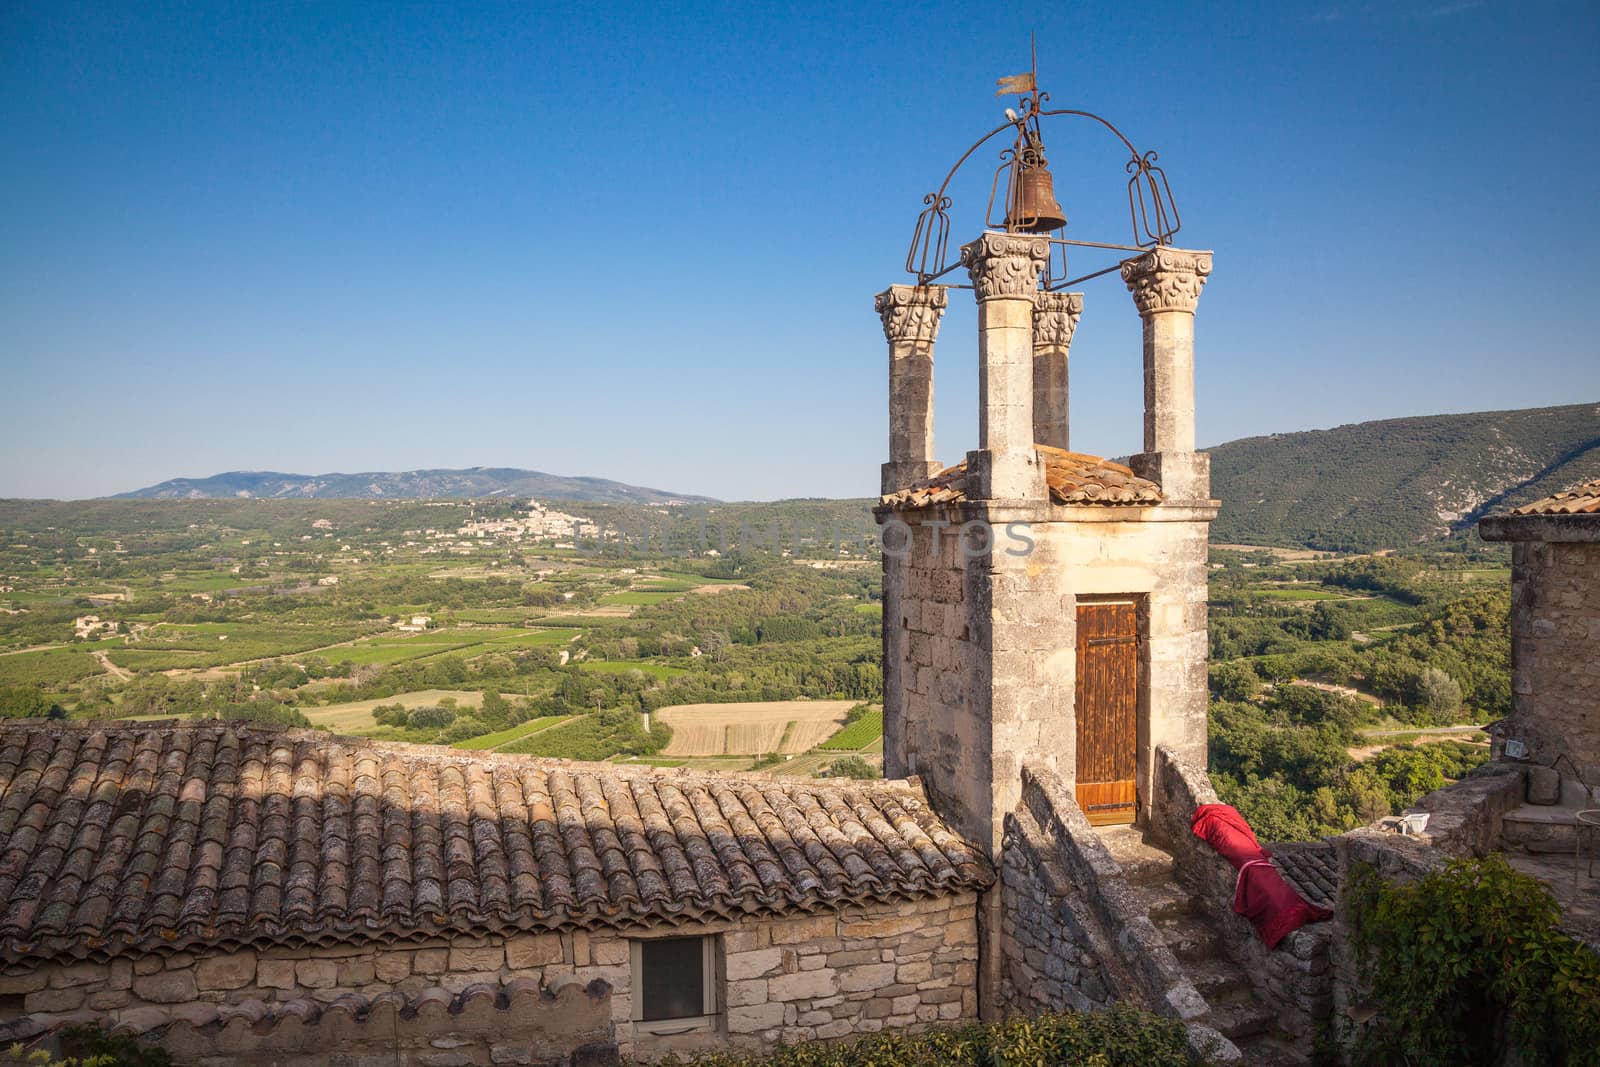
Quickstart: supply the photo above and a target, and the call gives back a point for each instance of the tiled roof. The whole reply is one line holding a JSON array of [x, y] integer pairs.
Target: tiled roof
[[1584, 500], [1073, 478], [1311, 867], [122, 837]]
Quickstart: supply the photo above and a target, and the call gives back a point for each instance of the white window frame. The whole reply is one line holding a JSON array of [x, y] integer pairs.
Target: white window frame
[[711, 1014]]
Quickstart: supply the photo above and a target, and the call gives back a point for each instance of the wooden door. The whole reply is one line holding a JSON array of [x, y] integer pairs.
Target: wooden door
[[1107, 710]]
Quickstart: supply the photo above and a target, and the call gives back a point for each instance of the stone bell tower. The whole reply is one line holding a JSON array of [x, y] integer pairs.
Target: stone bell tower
[[1042, 606]]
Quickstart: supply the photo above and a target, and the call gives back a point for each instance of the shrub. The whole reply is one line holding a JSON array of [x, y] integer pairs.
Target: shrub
[[1468, 967], [853, 767], [429, 718], [1119, 1037]]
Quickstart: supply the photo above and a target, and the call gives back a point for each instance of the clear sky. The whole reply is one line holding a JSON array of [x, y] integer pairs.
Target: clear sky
[[641, 241]]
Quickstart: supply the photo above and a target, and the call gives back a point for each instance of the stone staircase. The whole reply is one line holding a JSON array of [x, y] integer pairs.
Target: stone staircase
[[1235, 1011]]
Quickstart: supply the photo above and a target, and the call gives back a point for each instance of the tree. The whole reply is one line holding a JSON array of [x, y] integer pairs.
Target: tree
[[1440, 694]]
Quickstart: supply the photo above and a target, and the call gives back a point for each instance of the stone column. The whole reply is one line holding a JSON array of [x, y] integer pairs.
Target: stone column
[[1055, 319], [1166, 284], [1005, 273], [910, 317]]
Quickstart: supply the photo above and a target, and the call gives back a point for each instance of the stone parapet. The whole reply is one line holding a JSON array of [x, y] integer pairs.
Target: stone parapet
[[1295, 979], [1075, 937]]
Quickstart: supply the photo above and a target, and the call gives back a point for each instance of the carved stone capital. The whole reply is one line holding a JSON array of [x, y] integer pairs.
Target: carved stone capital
[[912, 312], [1167, 279], [1055, 318], [1005, 265]]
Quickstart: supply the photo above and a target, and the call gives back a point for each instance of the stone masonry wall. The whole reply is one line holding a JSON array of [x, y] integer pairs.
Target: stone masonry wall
[[1555, 630], [862, 969], [1295, 978], [926, 665]]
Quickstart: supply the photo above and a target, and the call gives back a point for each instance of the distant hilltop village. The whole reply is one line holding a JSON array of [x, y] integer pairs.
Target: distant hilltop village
[[541, 523]]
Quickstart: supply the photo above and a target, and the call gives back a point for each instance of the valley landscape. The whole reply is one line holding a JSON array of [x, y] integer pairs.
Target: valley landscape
[[1345, 684]]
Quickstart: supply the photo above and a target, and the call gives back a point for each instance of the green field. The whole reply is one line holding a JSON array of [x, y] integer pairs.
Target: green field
[[396, 649], [623, 666], [356, 716], [52, 668], [213, 644], [516, 733], [664, 586], [639, 598], [871, 607], [857, 735], [1298, 594]]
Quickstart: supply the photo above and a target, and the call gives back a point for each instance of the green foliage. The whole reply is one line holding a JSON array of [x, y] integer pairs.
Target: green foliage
[[24, 702], [1119, 1037], [21, 1057], [429, 717], [853, 767], [1467, 964], [88, 1046]]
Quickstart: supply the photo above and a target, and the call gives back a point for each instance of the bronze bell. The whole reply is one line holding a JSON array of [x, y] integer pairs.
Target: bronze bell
[[1034, 207]]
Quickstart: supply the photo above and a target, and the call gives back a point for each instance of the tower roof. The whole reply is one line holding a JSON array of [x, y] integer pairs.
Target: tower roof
[[1073, 478]]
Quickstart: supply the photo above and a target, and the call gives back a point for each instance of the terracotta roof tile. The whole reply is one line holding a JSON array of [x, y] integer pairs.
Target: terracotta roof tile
[[1583, 500], [1073, 478], [123, 837]]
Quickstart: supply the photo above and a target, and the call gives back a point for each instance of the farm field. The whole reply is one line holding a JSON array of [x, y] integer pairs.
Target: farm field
[[515, 733], [857, 735], [747, 729], [50, 668], [397, 648], [623, 666], [356, 716]]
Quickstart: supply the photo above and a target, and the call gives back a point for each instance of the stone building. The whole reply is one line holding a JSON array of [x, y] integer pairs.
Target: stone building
[[1041, 605], [250, 896], [1555, 626]]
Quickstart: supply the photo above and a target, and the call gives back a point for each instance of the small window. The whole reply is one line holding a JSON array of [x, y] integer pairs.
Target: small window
[[674, 981]]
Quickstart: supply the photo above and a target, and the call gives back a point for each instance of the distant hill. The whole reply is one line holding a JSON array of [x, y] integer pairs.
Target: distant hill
[[1399, 481], [406, 485]]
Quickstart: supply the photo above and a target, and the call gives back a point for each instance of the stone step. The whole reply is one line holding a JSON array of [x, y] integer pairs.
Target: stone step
[[1141, 863], [1219, 980], [1162, 900], [1268, 1050], [1241, 1018], [1190, 939]]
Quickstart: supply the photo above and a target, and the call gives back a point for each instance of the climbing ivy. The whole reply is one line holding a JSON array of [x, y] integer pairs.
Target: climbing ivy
[[1466, 966]]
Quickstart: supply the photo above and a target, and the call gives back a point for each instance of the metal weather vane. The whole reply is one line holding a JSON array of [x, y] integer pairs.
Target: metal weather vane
[[1028, 201]]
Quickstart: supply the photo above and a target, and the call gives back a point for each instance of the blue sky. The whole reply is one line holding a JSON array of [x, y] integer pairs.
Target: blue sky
[[641, 241]]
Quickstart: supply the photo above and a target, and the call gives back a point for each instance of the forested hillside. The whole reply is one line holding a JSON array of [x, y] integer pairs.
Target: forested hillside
[[1398, 482]]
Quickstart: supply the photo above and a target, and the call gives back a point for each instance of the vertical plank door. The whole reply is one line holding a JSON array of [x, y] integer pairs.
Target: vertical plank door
[[1107, 711]]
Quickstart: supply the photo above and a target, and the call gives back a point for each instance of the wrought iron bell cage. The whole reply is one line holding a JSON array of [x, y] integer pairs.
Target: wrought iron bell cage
[[1027, 201]]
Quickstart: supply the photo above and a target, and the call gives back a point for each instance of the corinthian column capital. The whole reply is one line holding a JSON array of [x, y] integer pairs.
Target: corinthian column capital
[[912, 312], [1005, 265], [1055, 318], [1167, 279]]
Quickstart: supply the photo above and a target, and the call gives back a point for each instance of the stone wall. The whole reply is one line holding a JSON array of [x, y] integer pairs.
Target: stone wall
[[1555, 668], [858, 970], [1073, 936], [1295, 978]]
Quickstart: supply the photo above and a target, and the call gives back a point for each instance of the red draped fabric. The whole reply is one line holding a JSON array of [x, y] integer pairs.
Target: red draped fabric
[[1272, 905]]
